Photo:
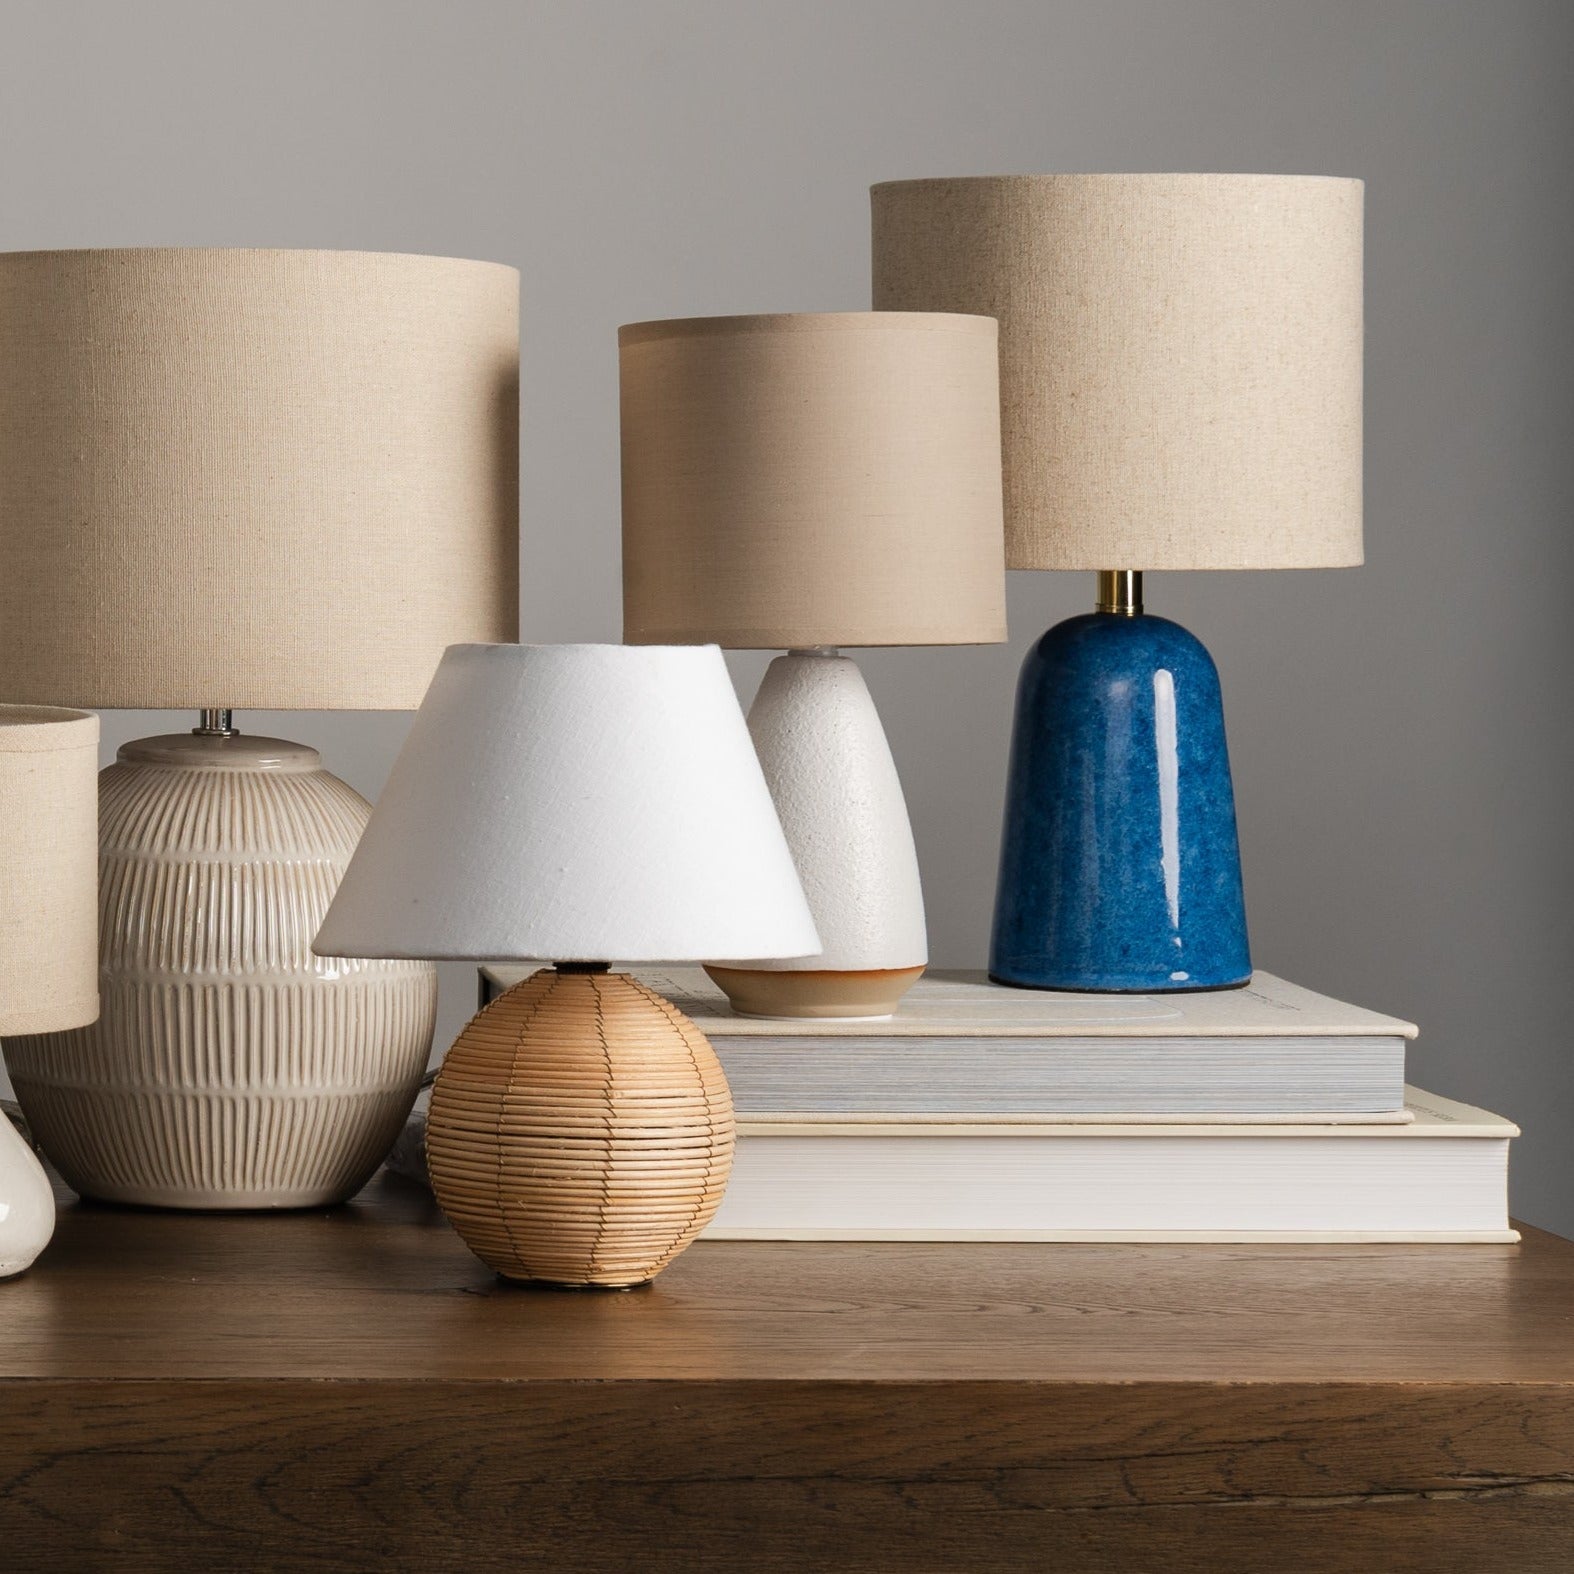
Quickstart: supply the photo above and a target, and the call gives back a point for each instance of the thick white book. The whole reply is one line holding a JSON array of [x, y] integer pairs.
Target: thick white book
[[1442, 1177], [960, 1045]]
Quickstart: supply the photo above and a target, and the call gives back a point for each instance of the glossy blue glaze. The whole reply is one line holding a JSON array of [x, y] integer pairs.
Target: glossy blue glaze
[[1119, 868]]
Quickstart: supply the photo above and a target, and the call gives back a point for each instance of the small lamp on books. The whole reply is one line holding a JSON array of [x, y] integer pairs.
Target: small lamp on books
[[807, 481], [1180, 363], [589, 803]]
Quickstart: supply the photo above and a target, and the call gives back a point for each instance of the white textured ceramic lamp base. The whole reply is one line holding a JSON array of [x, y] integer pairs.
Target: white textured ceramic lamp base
[[27, 1203], [230, 1067], [835, 785]]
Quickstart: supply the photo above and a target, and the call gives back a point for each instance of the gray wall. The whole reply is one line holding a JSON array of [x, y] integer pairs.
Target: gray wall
[[1400, 732]]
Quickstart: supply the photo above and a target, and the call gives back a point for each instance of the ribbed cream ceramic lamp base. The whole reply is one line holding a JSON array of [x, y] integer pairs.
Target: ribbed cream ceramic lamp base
[[230, 1068], [580, 1132]]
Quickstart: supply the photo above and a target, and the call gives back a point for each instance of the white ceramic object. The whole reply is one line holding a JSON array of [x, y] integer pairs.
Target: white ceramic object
[[835, 786], [27, 1203], [230, 1068]]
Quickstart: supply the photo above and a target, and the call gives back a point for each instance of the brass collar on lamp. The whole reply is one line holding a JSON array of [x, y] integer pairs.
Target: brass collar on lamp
[[1120, 592]]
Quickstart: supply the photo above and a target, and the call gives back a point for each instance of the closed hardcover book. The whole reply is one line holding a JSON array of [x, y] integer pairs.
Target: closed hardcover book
[[960, 1045], [1441, 1177]]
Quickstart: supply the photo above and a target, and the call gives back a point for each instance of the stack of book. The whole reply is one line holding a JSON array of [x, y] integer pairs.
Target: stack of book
[[1268, 1113]]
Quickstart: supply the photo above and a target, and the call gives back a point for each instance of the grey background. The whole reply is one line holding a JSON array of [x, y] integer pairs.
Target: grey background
[[1400, 732]]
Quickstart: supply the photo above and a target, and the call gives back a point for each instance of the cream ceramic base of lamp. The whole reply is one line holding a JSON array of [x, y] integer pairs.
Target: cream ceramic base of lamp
[[580, 1132], [835, 787], [230, 1068]]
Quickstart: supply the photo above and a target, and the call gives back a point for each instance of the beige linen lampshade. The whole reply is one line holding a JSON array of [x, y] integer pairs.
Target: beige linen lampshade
[[812, 479], [48, 924], [252, 478], [48, 869], [1180, 357]]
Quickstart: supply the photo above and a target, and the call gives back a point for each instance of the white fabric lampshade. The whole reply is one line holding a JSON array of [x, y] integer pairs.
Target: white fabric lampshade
[[577, 803]]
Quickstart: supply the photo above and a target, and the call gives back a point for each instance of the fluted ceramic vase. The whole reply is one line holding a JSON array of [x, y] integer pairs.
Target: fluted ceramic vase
[[230, 1068]]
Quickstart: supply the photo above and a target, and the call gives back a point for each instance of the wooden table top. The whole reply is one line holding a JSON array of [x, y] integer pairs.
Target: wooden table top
[[382, 1288], [352, 1389]]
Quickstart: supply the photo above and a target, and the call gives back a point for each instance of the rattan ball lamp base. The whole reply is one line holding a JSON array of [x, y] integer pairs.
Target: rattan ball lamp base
[[581, 1132]]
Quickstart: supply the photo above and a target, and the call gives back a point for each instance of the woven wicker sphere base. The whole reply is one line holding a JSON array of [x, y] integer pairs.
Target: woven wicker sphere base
[[230, 1068], [580, 1132]]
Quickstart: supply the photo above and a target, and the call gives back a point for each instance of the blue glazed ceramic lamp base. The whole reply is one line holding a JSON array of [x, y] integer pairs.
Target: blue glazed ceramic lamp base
[[1119, 870]]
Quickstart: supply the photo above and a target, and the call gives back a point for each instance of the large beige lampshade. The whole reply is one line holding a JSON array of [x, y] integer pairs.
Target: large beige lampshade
[[812, 479], [48, 869], [1180, 357], [282, 479]]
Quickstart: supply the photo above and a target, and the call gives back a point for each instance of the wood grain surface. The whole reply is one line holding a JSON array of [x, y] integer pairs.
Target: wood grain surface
[[352, 1390]]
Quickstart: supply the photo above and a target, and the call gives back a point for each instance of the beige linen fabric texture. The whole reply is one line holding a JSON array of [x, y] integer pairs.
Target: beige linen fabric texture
[[282, 479], [48, 869], [1180, 357], [812, 479]]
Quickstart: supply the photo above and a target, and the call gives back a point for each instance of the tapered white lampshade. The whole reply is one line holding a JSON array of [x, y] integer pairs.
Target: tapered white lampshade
[[48, 923], [576, 802]]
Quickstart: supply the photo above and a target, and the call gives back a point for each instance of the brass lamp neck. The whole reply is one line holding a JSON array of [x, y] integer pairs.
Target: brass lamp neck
[[1120, 592]]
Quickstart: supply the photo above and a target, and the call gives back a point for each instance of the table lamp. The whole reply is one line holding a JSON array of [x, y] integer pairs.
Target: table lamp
[[48, 924], [281, 479], [587, 803], [805, 482], [1180, 361]]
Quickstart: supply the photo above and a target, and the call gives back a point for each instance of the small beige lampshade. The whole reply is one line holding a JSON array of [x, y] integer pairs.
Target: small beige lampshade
[[812, 479], [48, 869], [1180, 357], [282, 479]]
